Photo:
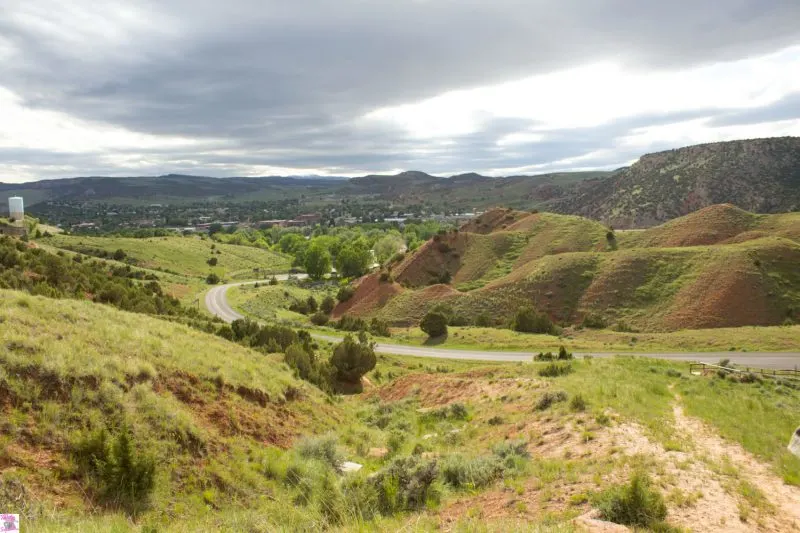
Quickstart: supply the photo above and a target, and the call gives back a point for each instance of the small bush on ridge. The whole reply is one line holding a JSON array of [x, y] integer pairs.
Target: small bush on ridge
[[635, 504], [554, 370]]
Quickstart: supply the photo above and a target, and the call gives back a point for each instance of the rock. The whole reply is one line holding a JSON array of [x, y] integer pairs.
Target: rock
[[428, 436], [589, 523], [794, 444], [349, 466]]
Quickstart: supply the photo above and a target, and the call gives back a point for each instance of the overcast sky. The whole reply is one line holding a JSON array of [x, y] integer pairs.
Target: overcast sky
[[263, 87]]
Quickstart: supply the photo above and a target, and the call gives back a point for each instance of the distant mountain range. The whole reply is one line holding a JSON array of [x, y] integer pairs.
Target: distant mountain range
[[760, 175]]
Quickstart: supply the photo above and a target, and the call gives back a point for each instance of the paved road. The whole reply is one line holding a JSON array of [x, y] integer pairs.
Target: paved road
[[218, 305]]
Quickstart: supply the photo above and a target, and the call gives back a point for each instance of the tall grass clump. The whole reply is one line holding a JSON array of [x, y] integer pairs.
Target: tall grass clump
[[407, 484], [115, 472], [636, 504], [473, 473], [322, 448], [549, 398], [555, 370]]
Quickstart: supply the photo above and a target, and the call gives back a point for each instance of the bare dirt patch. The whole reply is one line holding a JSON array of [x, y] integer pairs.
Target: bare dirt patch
[[435, 390], [371, 294], [698, 498], [785, 498]]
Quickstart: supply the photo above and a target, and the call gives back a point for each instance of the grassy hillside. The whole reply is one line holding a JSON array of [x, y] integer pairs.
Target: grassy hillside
[[238, 444], [759, 175], [716, 224], [272, 302], [182, 255], [495, 243], [206, 410], [719, 267], [752, 283]]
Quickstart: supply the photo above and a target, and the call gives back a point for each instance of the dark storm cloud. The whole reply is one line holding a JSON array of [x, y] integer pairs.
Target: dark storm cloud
[[284, 82]]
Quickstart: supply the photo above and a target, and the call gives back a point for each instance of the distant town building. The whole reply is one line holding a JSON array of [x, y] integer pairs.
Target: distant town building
[[280, 222], [305, 220]]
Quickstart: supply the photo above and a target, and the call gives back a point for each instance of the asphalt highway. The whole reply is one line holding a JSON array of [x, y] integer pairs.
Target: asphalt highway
[[217, 304]]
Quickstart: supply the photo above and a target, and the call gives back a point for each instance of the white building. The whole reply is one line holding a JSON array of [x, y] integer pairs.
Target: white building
[[16, 209]]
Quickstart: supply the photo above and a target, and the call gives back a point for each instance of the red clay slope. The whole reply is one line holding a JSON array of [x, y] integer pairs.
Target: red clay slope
[[371, 294]]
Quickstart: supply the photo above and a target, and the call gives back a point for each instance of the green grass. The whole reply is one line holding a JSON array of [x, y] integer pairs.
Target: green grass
[[760, 416], [185, 256], [70, 366], [77, 338], [271, 302], [750, 338]]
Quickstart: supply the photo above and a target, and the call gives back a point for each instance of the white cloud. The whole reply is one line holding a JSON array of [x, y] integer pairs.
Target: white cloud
[[698, 131], [599, 93], [23, 127]]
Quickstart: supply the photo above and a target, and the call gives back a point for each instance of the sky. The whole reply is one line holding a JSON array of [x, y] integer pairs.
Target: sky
[[353, 87]]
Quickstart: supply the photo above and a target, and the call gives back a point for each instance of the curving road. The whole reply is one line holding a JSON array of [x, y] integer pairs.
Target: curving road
[[217, 304]]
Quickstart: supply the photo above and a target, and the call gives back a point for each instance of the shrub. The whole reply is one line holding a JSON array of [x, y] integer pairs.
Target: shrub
[[474, 473], [483, 320], [117, 475], [345, 293], [593, 321], [509, 449], [454, 411], [312, 305], [327, 305], [544, 356], [495, 420], [395, 441], [212, 279], [671, 372], [379, 328], [549, 398], [555, 370], [322, 448], [306, 365], [611, 239], [457, 319], [351, 360], [300, 306], [527, 320], [351, 323], [578, 403], [622, 327], [636, 504], [212, 261], [563, 354], [405, 485], [119, 255], [434, 324], [319, 318], [273, 280]]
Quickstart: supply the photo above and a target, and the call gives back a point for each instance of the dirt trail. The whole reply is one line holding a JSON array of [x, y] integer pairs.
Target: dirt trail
[[785, 498]]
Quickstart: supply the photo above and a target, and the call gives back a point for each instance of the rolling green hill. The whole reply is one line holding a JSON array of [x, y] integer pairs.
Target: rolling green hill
[[205, 410], [186, 256], [719, 267]]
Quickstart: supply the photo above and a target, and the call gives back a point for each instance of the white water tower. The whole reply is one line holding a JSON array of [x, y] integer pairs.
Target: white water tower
[[16, 209]]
